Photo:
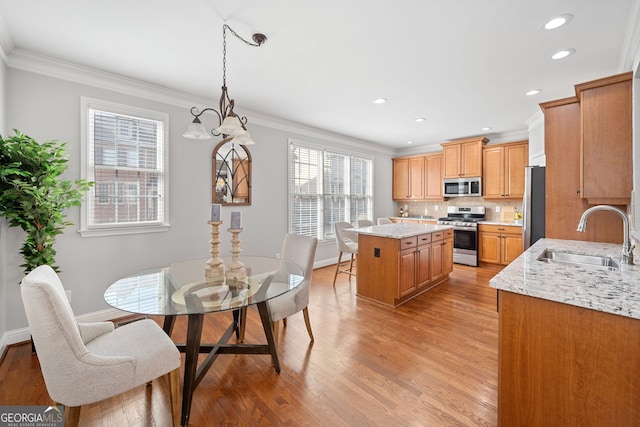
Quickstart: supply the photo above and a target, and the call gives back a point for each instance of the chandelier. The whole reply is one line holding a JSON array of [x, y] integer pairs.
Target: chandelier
[[230, 125]]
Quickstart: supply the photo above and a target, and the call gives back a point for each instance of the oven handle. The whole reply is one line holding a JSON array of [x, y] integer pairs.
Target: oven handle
[[465, 228]]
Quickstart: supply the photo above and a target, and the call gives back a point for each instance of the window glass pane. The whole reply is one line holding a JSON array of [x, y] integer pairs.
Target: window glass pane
[[126, 163], [326, 187]]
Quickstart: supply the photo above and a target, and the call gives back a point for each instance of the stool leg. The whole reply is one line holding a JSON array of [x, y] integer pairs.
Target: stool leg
[[337, 269]]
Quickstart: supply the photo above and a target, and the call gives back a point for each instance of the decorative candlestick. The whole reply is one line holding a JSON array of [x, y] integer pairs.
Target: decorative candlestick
[[235, 270], [214, 267]]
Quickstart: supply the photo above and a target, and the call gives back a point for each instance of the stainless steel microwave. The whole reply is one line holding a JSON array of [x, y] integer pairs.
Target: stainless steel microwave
[[462, 187]]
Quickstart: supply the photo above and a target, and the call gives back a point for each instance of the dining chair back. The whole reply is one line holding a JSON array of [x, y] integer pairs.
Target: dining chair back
[[382, 221], [83, 363], [365, 223], [347, 242]]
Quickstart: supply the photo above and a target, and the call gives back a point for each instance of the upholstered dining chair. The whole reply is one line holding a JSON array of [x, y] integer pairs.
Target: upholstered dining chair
[[382, 221], [347, 242], [365, 223], [300, 250], [83, 363]]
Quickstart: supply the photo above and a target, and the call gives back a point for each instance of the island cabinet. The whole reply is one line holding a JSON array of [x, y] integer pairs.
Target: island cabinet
[[503, 170], [463, 158], [499, 244], [563, 365], [408, 178], [393, 270]]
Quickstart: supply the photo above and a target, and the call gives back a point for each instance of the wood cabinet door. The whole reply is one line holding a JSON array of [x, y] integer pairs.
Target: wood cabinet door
[[400, 179], [423, 266], [407, 283], [489, 245], [471, 159], [516, 158], [511, 247], [493, 173], [451, 159], [447, 260], [437, 257], [416, 177], [606, 118], [433, 170]]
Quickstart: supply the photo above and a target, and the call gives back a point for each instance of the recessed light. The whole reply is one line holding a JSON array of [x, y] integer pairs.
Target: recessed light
[[533, 92], [380, 100], [563, 53], [420, 119], [486, 128], [409, 142], [557, 22]]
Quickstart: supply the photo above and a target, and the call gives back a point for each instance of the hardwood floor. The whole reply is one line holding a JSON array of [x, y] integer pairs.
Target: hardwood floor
[[430, 362]]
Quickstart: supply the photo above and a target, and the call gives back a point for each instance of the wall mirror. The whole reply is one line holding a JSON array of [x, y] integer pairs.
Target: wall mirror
[[231, 173]]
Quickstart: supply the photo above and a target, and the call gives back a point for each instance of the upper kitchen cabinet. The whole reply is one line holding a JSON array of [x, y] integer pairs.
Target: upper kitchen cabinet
[[606, 140], [408, 178], [433, 177], [564, 206], [463, 158], [503, 170]]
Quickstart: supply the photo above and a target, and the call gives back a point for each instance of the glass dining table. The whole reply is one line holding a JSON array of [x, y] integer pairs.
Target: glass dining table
[[185, 288]]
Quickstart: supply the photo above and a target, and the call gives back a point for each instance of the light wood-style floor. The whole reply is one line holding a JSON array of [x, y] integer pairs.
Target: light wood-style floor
[[431, 362]]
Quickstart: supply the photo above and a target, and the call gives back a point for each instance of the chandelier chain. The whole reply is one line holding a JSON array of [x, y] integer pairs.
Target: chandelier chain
[[224, 49]]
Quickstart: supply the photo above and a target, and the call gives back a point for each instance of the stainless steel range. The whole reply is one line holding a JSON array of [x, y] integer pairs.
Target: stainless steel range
[[464, 220]]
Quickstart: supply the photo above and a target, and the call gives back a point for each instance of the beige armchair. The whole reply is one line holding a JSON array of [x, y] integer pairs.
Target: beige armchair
[[84, 363], [301, 250]]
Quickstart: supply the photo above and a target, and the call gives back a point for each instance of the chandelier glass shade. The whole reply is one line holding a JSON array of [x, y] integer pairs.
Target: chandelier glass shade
[[229, 123]]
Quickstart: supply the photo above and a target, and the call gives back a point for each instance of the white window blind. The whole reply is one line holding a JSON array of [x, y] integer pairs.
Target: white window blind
[[326, 187], [125, 157]]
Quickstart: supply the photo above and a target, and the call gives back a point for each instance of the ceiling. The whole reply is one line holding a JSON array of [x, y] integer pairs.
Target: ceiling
[[461, 64]]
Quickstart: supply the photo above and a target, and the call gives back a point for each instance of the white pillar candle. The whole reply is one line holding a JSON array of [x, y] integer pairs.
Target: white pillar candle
[[215, 212], [236, 220]]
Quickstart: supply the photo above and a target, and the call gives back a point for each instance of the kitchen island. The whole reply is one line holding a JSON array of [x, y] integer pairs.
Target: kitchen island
[[569, 339], [397, 262]]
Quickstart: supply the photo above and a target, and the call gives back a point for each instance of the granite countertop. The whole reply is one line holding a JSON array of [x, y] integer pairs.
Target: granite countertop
[[500, 223], [616, 292], [399, 230]]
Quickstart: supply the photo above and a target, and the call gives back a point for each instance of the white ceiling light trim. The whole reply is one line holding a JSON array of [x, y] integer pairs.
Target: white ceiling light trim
[[380, 100], [557, 21], [533, 92], [563, 53]]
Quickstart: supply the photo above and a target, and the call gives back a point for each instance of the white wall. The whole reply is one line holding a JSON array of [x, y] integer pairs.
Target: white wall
[[49, 108], [3, 228]]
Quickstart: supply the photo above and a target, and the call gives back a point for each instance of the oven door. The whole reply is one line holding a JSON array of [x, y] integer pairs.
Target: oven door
[[465, 239]]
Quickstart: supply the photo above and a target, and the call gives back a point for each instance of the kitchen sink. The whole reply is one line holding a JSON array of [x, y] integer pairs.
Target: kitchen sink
[[593, 261]]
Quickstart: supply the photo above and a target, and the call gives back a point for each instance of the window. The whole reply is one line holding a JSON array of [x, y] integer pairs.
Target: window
[[325, 187], [124, 150]]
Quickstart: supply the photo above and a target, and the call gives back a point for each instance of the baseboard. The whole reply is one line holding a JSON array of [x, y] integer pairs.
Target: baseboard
[[24, 334]]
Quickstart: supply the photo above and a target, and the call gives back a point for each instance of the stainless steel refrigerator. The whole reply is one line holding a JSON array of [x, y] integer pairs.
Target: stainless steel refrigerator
[[533, 205]]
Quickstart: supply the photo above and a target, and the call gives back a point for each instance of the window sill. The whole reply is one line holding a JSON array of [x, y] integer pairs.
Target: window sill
[[99, 232]]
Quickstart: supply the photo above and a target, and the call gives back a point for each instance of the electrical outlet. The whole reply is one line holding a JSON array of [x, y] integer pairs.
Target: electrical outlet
[[278, 255], [497, 208], [68, 293], [376, 252], [436, 208]]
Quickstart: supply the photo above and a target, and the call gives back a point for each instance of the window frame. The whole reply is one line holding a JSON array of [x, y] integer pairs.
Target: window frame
[[326, 236], [87, 169]]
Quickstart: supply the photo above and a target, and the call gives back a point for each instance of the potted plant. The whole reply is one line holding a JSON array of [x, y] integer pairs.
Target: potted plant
[[34, 197]]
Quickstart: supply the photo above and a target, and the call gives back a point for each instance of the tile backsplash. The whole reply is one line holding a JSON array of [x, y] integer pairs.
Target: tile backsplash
[[439, 209]]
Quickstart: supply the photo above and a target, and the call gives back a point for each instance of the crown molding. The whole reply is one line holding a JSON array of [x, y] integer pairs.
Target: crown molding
[[630, 56], [24, 60]]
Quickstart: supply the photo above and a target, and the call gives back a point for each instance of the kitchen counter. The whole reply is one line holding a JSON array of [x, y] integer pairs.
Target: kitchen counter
[[616, 292], [399, 230], [500, 223]]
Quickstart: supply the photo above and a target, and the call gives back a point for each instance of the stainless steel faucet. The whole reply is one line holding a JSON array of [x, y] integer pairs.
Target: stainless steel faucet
[[627, 247]]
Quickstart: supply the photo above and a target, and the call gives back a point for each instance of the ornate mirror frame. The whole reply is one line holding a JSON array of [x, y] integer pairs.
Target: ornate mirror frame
[[231, 166]]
